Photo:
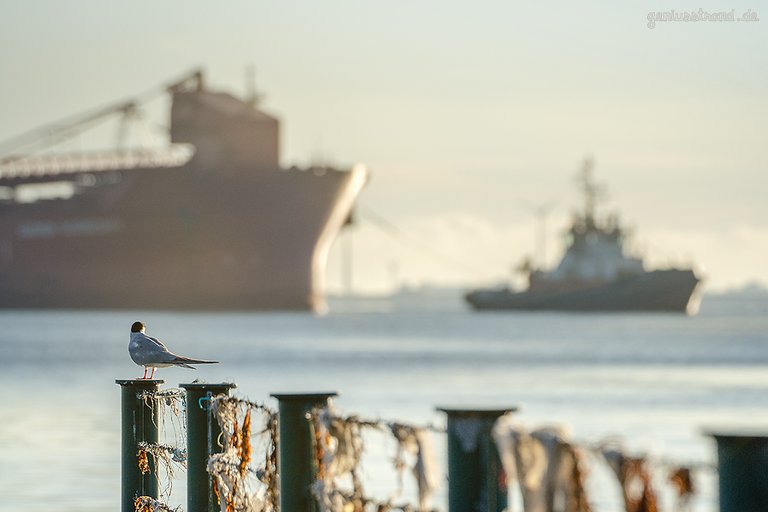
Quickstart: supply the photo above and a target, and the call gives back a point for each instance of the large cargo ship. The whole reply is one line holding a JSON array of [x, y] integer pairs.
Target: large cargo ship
[[596, 273], [210, 221]]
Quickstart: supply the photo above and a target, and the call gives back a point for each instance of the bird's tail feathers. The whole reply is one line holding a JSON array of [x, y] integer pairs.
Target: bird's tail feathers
[[186, 361]]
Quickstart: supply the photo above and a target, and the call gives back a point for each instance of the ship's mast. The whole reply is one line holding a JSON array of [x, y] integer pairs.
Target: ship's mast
[[591, 190], [252, 96]]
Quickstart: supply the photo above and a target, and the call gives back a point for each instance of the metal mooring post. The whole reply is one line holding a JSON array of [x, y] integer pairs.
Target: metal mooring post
[[203, 434], [296, 461], [476, 478], [742, 463], [137, 426]]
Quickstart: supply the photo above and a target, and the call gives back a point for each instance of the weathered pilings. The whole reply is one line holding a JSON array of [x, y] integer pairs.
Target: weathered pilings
[[742, 460], [477, 482], [476, 478], [138, 426], [203, 433], [296, 461]]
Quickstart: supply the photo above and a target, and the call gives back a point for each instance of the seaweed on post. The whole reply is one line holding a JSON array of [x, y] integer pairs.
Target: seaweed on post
[[168, 408], [339, 449], [240, 485]]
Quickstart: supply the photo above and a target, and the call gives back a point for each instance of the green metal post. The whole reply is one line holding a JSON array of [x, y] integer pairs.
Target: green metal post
[[742, 461], [137, 425], [476, 479], [296, 461], [203, 434]]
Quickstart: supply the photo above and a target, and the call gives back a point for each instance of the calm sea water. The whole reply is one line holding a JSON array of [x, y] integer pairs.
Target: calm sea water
[[656, 381]]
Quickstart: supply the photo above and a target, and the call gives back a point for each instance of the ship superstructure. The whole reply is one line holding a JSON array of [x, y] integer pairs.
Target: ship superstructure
[[596, 273], [212, 221]]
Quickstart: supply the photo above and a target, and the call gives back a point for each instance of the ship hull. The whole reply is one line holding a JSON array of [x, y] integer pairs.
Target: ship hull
[[179, 239], [660, 290], [218, 225]]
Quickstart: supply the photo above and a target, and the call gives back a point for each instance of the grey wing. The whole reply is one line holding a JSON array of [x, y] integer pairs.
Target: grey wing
[[157, 342], [151, 350]]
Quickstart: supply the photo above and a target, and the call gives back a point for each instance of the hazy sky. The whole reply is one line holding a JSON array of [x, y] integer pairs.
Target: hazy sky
[[467, 113]]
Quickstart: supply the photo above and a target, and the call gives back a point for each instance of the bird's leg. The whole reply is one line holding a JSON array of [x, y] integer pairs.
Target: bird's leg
[[153, 373], [145, 373]]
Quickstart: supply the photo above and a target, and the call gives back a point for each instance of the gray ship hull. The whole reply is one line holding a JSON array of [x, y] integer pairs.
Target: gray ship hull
[[660, 290]]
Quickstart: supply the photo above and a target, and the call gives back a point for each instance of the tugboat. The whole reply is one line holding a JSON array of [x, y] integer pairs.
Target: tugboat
[[596, 273]]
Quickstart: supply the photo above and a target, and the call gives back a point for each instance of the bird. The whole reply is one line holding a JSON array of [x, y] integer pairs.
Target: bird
[[150, 352]]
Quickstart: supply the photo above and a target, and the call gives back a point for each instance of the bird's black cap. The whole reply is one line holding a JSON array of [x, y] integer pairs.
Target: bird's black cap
[[137, 327]]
